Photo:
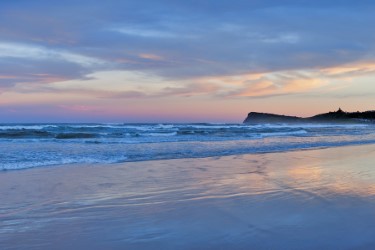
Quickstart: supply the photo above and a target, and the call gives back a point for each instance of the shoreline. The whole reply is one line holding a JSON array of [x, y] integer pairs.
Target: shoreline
[[316, 198], [192, 158], [82, 143]]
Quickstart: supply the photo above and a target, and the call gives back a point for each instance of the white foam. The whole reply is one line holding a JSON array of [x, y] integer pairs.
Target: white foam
[[21, 127], [65, 161], [298, 132], [160, 134]]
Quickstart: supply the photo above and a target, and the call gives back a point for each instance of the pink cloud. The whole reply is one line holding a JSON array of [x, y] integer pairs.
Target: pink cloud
[[151, 57]]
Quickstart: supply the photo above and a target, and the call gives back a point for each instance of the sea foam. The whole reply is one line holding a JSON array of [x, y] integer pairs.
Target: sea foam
[[33, 145]]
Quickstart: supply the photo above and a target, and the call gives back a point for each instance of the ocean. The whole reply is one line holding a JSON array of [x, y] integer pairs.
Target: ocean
[[35, 145]]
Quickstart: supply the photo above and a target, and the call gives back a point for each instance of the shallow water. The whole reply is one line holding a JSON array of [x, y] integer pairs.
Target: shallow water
[[58, 144], [314, 199]]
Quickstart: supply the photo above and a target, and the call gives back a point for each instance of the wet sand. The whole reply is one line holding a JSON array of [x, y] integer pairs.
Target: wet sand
[[313, 199]]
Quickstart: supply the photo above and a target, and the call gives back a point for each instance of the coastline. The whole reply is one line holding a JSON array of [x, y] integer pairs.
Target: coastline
[[54, 144], [319, 198]]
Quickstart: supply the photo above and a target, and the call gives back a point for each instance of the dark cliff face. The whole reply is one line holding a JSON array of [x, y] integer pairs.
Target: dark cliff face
[[332, 117], [255, 117]]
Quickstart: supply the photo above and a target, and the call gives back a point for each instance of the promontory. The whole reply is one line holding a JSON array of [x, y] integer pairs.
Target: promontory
[[338, 116]]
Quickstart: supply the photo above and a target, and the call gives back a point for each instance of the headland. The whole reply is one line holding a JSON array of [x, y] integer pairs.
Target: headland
[[338, 116]]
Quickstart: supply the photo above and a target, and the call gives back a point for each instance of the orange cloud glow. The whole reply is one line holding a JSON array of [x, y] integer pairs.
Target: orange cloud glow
[[350, 69]]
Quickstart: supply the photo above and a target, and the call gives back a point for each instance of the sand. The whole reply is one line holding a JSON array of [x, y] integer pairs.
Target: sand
[[312, 199]]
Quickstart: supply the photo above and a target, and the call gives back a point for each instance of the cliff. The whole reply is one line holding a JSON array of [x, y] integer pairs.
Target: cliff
[[255, 117], [338, 116]]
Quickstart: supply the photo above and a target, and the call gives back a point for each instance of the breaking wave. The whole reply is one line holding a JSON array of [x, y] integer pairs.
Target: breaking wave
[[32, 145]]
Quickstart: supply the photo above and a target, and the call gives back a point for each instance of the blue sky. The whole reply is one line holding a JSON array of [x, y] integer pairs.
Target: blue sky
[[183, 60]]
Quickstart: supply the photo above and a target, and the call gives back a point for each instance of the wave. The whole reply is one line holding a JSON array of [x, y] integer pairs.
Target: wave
[[160, 134], [65, 161], [23, 146], [83, 131], [75, 136], [26, 127], [24, 134], [150, 152], [298, 132]]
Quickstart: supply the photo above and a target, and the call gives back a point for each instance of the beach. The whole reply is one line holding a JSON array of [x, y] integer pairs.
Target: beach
[[309, 199], [187, 125]]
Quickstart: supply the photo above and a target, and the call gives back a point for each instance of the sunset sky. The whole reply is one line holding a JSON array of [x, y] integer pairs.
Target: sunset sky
[[183, 61]]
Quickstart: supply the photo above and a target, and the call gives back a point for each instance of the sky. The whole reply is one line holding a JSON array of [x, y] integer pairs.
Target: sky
[[183, 60]]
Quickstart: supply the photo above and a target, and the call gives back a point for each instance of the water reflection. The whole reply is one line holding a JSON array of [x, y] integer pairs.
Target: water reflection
[[306, 199]]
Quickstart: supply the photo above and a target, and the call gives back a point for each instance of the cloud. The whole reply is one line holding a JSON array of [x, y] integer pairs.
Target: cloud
[[16, 50], [350, 70], [147, 33], [124, 95], [189, 90], [257, 88], [151, 57], [29, 64], [249, 36], [28, 72], [196, 48], [266, 86], [284, 38]]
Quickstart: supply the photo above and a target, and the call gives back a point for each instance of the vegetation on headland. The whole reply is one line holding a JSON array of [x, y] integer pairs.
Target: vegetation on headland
[[338, 116]]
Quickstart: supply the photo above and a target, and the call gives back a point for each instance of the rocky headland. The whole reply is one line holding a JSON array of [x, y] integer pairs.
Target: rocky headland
[[338, 116]]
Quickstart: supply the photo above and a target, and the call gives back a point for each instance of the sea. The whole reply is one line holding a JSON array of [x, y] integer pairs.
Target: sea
[[25, 146]]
